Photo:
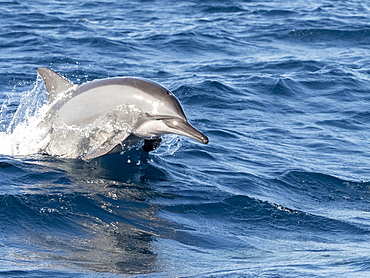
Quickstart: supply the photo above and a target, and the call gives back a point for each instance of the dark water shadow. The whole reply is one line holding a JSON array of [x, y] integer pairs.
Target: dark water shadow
[[92, 216]]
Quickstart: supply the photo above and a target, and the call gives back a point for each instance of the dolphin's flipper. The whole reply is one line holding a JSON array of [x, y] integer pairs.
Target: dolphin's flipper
[[116, 143], [55, 83], [151, 144], [96, 152], [109, 146]]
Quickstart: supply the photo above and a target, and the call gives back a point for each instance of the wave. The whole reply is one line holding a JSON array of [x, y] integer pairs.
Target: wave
[[358, 37], [72, 215], [80, 224], [250, 230], [121, 219], [325, 196]]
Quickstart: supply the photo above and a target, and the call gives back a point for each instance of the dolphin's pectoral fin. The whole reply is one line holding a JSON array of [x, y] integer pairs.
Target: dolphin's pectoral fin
[[97, 151], [106, 147], [151, 144], [55, 83], [118, 148], [129, 141], [116, 143]]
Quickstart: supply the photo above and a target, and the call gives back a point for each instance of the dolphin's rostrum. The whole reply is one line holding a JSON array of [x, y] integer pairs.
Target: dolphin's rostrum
[[108, 115]]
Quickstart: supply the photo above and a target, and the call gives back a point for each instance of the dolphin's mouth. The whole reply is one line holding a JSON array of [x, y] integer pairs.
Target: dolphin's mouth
[[181, 127]]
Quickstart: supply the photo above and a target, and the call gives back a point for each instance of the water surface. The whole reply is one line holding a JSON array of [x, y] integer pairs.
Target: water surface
[[280, 89]]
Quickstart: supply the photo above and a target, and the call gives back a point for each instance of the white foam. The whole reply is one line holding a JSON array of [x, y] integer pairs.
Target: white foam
[[22, 135]]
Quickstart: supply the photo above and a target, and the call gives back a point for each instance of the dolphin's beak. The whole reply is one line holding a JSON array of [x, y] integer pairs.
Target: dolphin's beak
[[181, 127]]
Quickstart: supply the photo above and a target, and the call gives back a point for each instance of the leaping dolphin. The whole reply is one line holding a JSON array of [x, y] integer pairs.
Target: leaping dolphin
[[108, 115]]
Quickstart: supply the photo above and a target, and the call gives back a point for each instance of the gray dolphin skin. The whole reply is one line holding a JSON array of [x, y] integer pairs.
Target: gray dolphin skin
[[109, 115]]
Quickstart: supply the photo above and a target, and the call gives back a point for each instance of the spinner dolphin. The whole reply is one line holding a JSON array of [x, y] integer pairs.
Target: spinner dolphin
[[109, 115]]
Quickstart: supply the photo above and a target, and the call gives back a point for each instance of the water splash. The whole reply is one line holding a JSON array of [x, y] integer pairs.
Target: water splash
[[30, 104], [21, 135], [170, 144]]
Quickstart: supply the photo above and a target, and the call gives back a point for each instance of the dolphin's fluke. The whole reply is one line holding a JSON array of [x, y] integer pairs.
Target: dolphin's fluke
[[55, 83]]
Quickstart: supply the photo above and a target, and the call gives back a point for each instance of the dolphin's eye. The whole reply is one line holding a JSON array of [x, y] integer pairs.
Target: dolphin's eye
[[169, 93]]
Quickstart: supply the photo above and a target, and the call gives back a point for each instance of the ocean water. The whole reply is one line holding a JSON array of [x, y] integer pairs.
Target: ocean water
[[282, 90]]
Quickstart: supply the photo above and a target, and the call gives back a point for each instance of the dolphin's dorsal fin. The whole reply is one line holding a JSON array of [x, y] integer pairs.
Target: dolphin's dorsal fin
[[55, 83]]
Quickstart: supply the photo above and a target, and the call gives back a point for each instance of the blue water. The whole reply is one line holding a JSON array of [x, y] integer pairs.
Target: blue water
[[282, 90]]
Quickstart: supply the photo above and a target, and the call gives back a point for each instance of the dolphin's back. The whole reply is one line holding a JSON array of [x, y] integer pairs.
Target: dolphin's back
[[88, 101]]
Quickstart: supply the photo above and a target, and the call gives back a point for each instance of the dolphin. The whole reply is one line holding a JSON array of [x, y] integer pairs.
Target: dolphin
[[110, 115]]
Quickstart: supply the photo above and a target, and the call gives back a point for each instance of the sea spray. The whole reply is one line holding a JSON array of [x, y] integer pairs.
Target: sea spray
[[30, 105], [22, 134]]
